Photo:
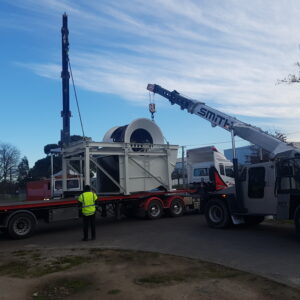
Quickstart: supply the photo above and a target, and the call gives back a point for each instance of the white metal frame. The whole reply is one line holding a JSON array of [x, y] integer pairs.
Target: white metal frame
[[87, 151]]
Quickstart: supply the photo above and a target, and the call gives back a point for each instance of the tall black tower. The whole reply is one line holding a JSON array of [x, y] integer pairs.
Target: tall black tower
[[65, 75]]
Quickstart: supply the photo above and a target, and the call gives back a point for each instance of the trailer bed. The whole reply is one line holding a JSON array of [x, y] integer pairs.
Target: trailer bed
[[19, 219], [6, 206]]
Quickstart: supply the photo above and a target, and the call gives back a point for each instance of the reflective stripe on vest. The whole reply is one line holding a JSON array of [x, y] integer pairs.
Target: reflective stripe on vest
[[88, 205], [88, 209]]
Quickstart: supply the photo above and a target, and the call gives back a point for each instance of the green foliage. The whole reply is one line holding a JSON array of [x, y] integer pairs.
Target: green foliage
[[48, 148], [23, 172], [260, 155], [42, 168]]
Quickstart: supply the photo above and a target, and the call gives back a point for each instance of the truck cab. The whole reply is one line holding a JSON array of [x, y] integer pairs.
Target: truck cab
[[201, 160]]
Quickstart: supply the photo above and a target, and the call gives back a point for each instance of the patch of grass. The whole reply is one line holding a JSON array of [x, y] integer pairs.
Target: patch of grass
[[201, 271], [21, 252], [15, 269], [59, 264], [114, 292], [36, 256], [162, 279], [33, 267], [114, 257], [211, 271], [279, 222], [61, 288]]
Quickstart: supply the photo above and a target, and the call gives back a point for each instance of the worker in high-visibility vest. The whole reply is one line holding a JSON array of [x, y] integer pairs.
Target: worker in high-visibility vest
[[88, 207]]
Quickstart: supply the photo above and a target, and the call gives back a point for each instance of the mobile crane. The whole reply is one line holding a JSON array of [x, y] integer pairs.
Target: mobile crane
[[269, 188]]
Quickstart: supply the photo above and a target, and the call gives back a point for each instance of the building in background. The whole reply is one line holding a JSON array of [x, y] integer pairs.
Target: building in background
[[243, 154]]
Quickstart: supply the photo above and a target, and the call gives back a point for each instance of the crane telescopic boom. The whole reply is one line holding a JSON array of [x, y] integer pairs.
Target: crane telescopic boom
[[246, 131]]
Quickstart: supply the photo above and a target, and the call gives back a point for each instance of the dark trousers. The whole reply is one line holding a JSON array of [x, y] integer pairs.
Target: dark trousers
[[89, 221]]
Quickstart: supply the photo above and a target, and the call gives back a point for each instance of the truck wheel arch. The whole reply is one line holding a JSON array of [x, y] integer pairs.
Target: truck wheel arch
[[157, 205], [21, 224], [8, 218]]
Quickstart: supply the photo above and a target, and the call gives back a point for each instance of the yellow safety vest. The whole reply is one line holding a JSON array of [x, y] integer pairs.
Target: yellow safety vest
[[88, 203]]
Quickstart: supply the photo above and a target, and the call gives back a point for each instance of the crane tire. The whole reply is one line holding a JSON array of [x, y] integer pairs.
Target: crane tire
[[21, 226], [217, 214]]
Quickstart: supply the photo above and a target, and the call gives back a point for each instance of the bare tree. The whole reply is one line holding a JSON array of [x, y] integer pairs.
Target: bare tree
[[258, 154], [9, 159], [291, 78]]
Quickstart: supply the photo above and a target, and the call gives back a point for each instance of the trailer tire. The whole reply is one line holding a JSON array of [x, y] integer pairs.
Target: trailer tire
[[217, 214], [297, 220], [176, 208], [154, 210], [21, 226]]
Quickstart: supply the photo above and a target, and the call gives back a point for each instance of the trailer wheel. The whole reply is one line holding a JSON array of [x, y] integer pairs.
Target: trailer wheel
[[297, 220], [176, 208], [217, 214], [155, 209], [21, 225]]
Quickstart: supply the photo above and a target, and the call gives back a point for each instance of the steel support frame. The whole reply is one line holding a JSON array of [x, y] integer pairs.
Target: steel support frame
[[87, 151]]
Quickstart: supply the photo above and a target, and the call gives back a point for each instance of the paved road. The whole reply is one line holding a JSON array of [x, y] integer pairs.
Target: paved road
[[270, 250]]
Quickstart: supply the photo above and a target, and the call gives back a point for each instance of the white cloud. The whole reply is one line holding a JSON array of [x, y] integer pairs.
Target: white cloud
[[228, 53]]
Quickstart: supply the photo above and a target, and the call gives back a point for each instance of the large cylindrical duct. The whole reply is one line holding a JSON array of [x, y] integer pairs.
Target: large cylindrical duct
[[138, 131]]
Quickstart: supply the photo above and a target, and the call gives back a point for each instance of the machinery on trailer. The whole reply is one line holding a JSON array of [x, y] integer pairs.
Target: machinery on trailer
[[130, 170], [264, 189]]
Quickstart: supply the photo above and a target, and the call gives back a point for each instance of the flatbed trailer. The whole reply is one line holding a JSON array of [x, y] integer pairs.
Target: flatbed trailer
[[20, 219]]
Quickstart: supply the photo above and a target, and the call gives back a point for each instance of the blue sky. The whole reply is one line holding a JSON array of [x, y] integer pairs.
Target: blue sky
[[228, 54]]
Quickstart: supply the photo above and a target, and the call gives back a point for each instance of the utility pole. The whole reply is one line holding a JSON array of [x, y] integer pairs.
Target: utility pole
[[183, 168], [65, 75]]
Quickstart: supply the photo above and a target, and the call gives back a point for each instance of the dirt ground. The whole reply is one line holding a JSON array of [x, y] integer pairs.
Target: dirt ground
[[119, 274]]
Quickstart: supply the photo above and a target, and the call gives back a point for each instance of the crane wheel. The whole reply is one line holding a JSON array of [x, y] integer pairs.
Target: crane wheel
[[217, 214]]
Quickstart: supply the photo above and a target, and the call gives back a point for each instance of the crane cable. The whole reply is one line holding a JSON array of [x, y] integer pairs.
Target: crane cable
[[77, 103], [152, 109]]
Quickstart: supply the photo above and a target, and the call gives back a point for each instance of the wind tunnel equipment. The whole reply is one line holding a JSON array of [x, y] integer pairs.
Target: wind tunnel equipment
[[141, 162]]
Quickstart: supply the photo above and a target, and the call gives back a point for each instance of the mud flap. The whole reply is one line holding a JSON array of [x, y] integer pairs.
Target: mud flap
[[236, 220], [216, 178]]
